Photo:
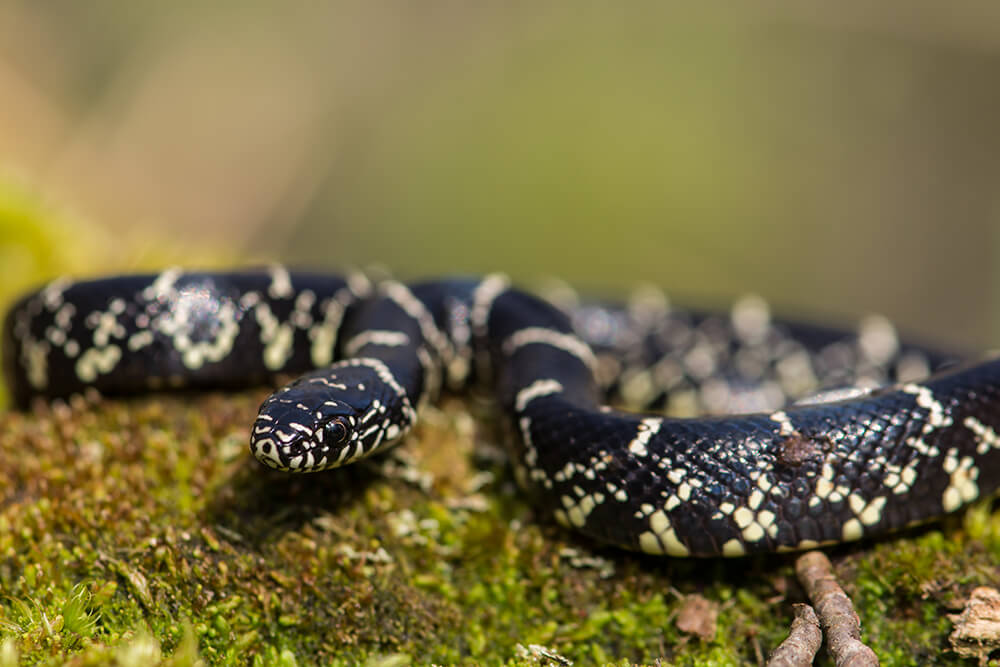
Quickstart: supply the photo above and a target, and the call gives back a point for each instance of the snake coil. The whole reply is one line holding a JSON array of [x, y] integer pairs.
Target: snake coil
[[783, 456]]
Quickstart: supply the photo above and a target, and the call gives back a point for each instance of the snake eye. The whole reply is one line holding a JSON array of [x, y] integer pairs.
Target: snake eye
[[336, 430]]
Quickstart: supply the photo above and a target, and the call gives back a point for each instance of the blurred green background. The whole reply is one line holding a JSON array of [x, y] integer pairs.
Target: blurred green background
[[837, 159]]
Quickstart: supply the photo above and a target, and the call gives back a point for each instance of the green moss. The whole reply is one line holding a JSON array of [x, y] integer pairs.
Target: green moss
[[140, 530]]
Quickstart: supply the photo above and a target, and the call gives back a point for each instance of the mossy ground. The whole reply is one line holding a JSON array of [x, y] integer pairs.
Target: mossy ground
[[141, 529]]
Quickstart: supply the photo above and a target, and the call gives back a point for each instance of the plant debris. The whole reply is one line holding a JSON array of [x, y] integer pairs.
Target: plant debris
[[143, 527], [803, 642], [977, 628], [840, 622]]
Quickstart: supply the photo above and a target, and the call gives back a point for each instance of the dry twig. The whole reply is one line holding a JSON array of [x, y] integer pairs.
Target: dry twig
[[803, 642], [840, 622]]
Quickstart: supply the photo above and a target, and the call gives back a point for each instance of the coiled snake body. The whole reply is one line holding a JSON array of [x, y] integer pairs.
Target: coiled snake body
[[787, 472]]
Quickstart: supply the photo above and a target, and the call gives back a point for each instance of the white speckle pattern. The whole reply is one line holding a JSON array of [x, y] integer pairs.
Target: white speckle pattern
[[811, 455], [375, 337], [97, 360], [566, 342], [416, 309], [163, 285], [281, 283], [781, 417], [536, 389], [648, 428], [937, 418], [323, 334], [877, 339], [986, 437], [483, 297], [962, 488], [751, 318], [661, 537]]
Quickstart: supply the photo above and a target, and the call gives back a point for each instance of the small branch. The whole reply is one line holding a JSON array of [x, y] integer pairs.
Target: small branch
[[800, 647], [841, 624]]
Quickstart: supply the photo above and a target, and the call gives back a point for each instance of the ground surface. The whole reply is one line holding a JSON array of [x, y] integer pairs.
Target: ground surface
[[142, 528]]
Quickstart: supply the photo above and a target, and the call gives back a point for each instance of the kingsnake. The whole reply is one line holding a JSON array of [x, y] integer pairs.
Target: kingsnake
[[812, 435]]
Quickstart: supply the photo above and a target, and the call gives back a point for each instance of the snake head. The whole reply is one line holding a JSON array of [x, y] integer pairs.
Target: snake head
[[330, 418]]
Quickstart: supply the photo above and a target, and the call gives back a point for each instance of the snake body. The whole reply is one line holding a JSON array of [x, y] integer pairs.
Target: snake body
[[808, 435]]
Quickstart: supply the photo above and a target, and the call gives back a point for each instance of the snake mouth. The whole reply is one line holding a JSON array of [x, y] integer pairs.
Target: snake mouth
[[289, 450], [271, 446], [265, 450]]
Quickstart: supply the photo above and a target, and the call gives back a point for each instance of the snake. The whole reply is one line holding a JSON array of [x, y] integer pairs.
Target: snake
[[639, 424]]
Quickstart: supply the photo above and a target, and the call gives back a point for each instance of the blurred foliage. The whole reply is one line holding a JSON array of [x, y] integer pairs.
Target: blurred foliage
[[839, 160], [38, 240], [41, 240], [828, 169]]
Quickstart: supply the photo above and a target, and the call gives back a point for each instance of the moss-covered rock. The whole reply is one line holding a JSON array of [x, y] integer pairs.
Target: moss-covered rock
[[142, 529]]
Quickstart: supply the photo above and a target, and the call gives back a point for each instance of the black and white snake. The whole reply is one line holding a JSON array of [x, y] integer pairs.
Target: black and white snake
[[784, 457]]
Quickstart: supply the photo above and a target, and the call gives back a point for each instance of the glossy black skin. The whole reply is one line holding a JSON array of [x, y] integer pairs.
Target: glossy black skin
[[160, 365], [721, 485]]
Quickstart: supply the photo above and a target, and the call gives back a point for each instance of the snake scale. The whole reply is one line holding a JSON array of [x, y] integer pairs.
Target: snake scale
[[805, 435]]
